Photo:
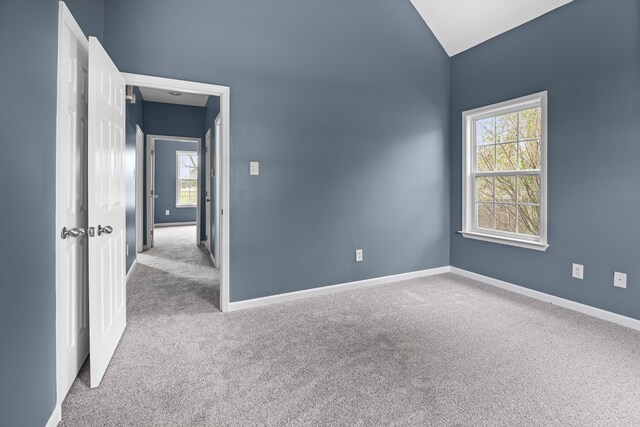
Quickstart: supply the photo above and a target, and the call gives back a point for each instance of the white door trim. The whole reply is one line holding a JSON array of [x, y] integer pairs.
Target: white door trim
[[65, 18], [224, 208], [151, 139], [139, 179], [217, 259]]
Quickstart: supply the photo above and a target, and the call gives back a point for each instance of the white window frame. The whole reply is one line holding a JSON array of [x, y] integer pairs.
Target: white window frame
[[178, 154], [469, 229]]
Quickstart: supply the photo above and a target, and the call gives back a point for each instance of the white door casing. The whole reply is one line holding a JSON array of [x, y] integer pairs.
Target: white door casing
[[218, 185], [150, 190], [208, 198], [106, 187], [72, 317], [139, 188]]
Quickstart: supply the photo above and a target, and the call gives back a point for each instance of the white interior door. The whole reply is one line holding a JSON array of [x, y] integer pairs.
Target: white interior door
[[151, 189], [106, 195], [139, 187], [208, 200], [72, 324]]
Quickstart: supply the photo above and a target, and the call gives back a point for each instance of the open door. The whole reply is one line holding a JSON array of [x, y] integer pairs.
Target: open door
[[106, 206], [217, 168], [208, 199], [151, 190]]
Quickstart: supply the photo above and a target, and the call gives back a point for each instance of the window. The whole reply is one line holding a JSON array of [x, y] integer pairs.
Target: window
[[504, 172], [186, 179]]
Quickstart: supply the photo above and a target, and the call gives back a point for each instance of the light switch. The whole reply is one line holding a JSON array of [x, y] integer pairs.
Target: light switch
[[254, 168]]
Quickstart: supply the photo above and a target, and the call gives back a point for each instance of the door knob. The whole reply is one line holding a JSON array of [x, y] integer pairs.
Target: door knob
[[208, 200], [72, 232], [107, 229]]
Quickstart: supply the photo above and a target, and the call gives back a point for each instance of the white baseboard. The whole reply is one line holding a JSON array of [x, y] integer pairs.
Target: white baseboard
[[135, 261], [541, 296], [332, 289], [55, 417], [173, 224]]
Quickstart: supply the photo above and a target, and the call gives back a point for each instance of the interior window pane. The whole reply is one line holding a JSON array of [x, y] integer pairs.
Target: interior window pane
[[484, 188], [486, 158], [486, 131], [505, 189], [485, 215], [530, 154], [529, 189], [506, 218], [507, 159], [507, 128], [530, 124], [529, 220]]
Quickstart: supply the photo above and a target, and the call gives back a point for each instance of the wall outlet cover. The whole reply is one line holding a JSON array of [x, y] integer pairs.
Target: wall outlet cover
[[577, 271], [167, 212], [620, 280], [359, 255], [254, 168]]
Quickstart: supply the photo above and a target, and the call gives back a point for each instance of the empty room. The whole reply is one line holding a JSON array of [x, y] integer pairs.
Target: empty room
[[320, 212]]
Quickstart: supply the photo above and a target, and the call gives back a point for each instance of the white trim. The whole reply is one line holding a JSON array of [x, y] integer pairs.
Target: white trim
[[149, 190], [174, 224], [225, 111], [469, 230], [213, 259], [55, 418], [135, 262], [332, 289], [511, 241], [561, 302]]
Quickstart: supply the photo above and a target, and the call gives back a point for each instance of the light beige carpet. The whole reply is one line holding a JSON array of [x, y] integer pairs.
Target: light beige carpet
[[436, 351]]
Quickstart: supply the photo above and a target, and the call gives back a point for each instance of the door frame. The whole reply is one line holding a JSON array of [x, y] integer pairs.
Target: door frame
[[140, 191], [225, 113], [217, 166], [65, 18], [149, 190], [151, 142]]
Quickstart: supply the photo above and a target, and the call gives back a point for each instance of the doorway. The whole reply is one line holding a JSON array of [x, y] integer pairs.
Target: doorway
[[91, 245]]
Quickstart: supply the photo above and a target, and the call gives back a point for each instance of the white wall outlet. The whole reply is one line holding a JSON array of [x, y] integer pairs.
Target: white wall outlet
[[620, 280], [254, 168], [167, 212], [359, 255], [577, 271]]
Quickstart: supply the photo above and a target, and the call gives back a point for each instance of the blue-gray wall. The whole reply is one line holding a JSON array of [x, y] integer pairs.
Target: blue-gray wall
[[134, 117], [346, 106], [28, 46], [212, 110], [166, 183], [587, 55], [89, 14], [176, 120]]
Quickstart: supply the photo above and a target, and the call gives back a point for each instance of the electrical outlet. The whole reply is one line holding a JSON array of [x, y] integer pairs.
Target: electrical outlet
[[167, 212], [620, 280], [254, 168], [578, 271], [359, 255]]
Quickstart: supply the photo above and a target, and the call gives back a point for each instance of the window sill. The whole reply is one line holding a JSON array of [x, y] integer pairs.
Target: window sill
[[186, 206], [521, 243]]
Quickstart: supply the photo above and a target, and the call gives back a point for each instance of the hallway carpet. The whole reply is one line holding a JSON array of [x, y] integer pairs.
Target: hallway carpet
[[435, 351]]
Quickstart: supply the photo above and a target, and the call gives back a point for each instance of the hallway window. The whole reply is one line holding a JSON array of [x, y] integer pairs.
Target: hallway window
[[186, 179], [505, 172]]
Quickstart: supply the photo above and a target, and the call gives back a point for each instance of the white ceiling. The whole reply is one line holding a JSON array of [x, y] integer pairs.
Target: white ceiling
[[160, 95], [462, 24]]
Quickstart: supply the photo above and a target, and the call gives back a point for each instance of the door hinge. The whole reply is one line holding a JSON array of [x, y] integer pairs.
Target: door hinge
[[152, 152]]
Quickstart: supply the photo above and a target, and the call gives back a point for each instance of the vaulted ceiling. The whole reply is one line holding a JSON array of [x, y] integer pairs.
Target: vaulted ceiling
[[462, 24]]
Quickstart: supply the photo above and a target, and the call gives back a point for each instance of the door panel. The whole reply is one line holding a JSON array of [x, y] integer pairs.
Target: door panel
[[71, 204], [208, 195], [106, 196]]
